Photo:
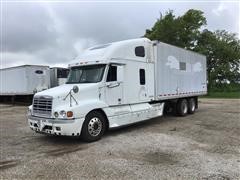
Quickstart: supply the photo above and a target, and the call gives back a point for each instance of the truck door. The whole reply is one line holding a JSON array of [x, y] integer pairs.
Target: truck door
[[146, 82], [114, 85]]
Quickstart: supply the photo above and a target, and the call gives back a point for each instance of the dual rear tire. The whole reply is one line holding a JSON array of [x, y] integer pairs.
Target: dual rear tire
[[185, 106], [191, 105]]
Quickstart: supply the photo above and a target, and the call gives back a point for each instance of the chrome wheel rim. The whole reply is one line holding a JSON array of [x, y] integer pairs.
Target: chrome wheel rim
[[95, 126]]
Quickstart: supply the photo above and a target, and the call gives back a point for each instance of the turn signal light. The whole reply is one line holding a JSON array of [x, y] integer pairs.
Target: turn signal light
[[69, 114]]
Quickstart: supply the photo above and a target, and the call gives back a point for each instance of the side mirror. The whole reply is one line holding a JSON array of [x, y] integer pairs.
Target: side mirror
[[75, 89]]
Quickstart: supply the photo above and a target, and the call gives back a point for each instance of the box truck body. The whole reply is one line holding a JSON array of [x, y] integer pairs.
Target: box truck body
[[179, 72], [118, 84], [24, 80]]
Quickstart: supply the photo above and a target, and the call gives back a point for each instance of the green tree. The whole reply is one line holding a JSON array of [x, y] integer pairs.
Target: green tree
[[223, 56], [181, 31]]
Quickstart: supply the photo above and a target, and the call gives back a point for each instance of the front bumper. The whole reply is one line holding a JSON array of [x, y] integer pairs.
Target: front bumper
[[56, 126]]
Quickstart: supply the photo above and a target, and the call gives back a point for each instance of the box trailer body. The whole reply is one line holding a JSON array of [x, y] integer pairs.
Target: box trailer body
[[179, 72], [118, 84], [24, 80], [58, 76]]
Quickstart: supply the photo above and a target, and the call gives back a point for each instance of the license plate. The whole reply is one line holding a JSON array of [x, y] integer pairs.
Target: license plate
[[40, 123]]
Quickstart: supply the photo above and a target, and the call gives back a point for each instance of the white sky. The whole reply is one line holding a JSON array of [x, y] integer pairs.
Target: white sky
[[53, 33]]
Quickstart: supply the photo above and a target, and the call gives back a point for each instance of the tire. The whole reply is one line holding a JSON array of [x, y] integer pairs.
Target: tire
[[93, 127], [167, 108], [191, 106], [182, 107]]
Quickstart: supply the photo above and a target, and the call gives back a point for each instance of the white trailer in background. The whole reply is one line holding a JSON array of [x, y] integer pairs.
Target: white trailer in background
[[24, 80], [117, 84], [58, 76]]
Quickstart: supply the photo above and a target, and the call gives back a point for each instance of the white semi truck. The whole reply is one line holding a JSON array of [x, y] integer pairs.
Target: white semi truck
[[118, 84]]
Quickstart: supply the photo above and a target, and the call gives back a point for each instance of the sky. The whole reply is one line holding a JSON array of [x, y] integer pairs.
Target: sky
[[55, 32]]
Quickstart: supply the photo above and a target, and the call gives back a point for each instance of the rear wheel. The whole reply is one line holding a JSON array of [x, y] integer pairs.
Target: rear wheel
[[94, 127], [182, 107], [191, 105]]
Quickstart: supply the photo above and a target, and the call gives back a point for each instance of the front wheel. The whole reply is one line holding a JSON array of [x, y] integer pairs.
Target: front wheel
[[94, 127]]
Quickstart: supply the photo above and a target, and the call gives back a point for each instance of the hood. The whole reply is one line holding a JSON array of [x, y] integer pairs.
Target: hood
[[63, 90]]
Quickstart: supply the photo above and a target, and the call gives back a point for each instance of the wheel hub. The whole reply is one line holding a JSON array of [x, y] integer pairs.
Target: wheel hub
[[95, 126]]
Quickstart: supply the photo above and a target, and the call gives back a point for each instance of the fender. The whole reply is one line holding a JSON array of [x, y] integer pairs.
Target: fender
[[84, 107]]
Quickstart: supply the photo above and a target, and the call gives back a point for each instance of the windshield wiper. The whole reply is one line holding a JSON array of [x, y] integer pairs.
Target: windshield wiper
[[71, 82], [86, 81], [80, 82]]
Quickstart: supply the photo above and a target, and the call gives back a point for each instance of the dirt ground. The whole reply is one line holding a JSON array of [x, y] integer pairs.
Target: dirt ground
[[205, 145]]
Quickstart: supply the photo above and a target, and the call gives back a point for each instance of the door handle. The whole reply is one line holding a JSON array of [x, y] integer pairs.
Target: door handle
[[113, 85]]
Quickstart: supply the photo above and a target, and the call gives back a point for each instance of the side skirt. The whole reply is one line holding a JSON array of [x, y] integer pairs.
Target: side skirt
[[119, 116]]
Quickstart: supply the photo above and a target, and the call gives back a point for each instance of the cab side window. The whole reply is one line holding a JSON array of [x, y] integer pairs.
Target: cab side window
[[140, 51], [112, 73]]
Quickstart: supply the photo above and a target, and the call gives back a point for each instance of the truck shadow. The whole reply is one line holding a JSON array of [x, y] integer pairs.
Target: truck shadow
[[60, 145], [51, 139], [76, 141]]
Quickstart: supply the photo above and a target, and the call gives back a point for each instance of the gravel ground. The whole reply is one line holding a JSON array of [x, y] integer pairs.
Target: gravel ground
[[205, 145]]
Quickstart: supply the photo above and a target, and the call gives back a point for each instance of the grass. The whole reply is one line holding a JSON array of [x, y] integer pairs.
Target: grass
[[233, 95]]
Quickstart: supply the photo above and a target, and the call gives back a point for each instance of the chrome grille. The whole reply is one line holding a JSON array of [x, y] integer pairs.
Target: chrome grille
[[42, 106]]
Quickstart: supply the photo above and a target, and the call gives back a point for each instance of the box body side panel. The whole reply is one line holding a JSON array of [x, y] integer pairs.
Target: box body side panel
[[13, 81], [179, 72]]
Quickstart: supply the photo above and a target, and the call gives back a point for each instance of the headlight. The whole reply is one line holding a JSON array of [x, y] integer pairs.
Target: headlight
[[62, 113], [56, 114]]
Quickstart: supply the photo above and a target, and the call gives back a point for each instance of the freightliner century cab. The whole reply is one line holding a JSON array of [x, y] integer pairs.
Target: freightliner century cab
[[110, 86]]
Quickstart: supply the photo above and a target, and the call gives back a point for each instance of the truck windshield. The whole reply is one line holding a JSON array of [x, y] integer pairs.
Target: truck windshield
[[86, 74]]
